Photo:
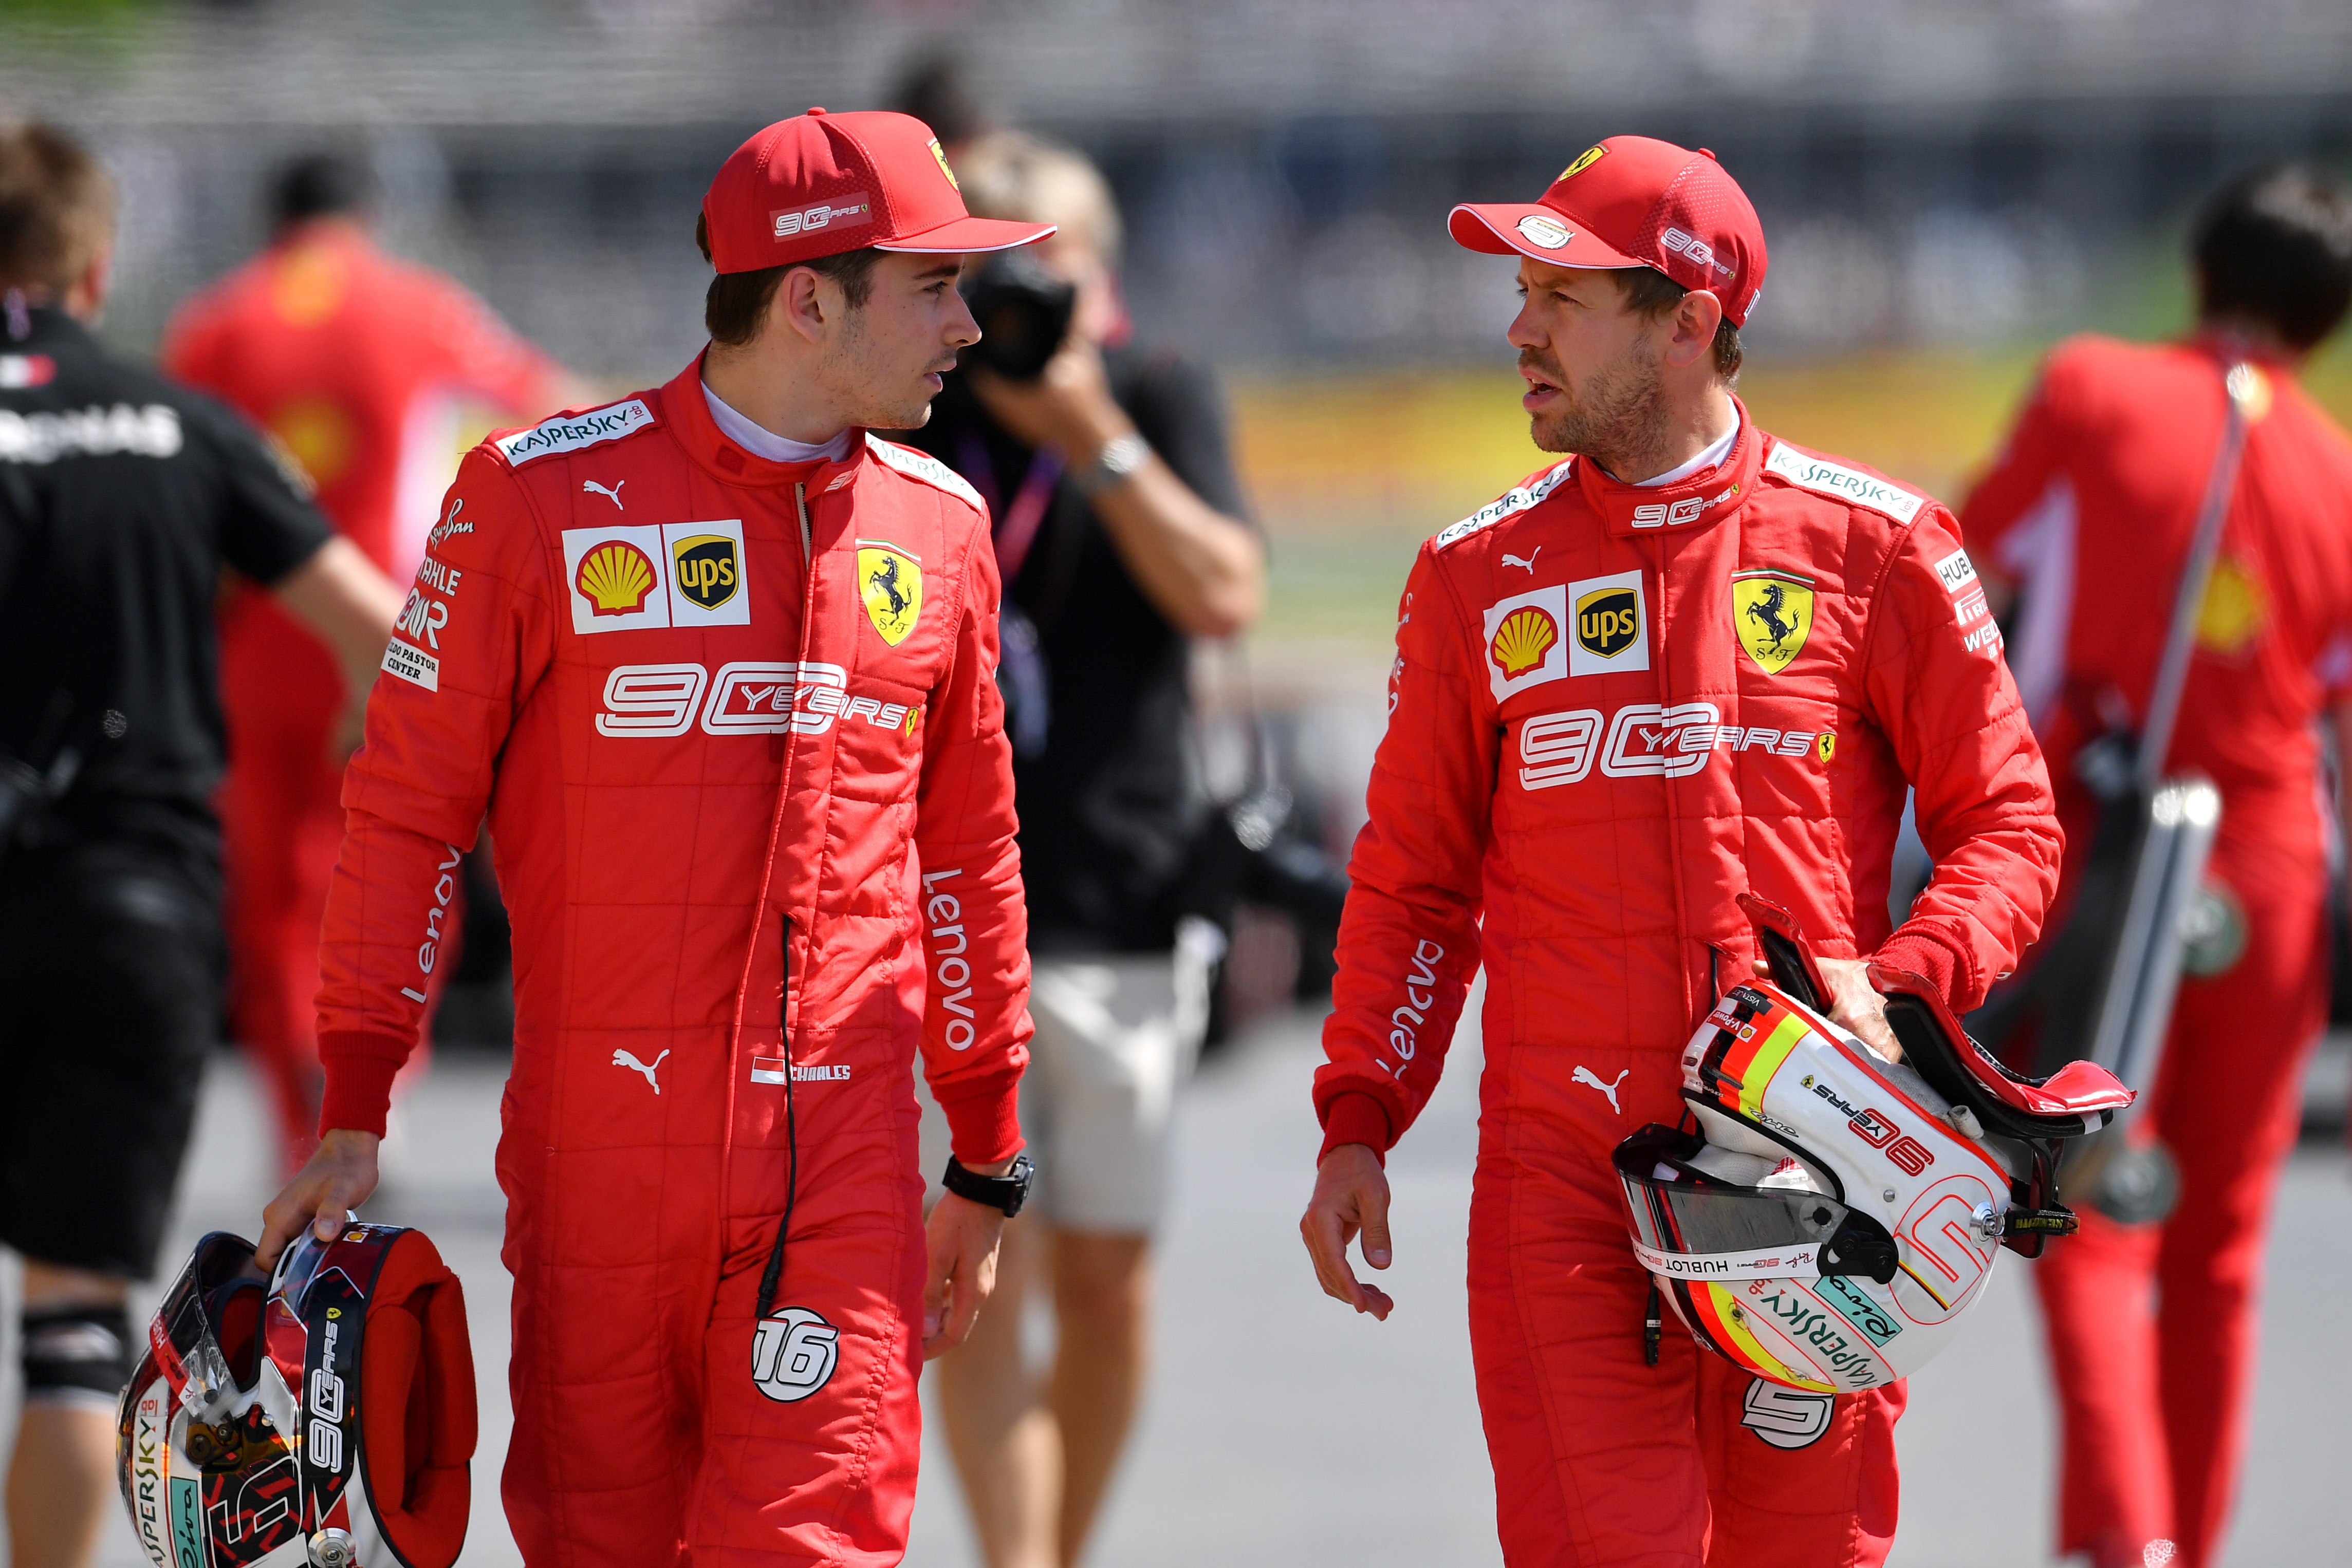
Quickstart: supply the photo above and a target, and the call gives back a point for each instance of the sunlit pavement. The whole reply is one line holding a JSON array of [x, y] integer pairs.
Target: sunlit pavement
[[1282, 1429]]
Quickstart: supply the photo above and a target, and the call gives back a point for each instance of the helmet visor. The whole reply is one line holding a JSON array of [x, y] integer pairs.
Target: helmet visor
[[183, 1340], [1688, 1225]]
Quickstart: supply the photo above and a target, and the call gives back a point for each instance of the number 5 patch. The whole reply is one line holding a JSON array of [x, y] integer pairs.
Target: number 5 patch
[[1785, 1417]]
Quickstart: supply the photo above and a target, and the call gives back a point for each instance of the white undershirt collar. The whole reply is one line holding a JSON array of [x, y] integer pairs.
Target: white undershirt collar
[[1714, 454], [761, 442]]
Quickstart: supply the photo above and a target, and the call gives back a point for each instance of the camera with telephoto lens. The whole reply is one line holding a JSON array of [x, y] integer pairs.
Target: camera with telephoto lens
[[1023, 311]]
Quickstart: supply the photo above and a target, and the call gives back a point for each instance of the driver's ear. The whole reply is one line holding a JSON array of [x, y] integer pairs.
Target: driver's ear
[[800, 305]]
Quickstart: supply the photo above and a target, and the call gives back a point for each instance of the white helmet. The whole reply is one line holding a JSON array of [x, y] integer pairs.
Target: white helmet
[[319, 1419], [1823, 1217]]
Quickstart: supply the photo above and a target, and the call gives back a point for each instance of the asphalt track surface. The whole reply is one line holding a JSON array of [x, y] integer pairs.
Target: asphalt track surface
[[1284, 1430]]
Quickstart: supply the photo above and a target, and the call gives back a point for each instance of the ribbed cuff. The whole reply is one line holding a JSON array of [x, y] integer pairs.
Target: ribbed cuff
[[1931, 961], [1356, 1119], [984, 1126], [360, 1070]]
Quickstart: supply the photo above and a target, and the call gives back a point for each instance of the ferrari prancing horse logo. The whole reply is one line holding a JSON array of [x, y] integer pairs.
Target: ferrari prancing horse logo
[[891, 582], [1771, 614]]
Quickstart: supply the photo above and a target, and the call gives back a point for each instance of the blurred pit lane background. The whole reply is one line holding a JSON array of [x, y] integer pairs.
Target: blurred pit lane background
[[1946, 190]]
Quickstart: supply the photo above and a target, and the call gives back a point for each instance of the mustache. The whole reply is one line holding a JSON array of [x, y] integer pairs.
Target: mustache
[[1531, 360]]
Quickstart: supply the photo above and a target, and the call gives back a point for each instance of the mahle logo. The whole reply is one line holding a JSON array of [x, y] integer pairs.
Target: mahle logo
[[704, 567], [1608, 621]]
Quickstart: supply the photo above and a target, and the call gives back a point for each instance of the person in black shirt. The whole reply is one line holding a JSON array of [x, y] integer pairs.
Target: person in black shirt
[[122, 497], [1118, 526]]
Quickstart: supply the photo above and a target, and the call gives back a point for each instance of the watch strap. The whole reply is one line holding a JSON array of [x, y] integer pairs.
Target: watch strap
[[1006, 1192]]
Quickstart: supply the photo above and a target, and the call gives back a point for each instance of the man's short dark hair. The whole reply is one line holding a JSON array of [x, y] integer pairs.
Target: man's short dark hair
[[321, 185], [1653, 294], [738, 301], [2274, 246], [57, 207]]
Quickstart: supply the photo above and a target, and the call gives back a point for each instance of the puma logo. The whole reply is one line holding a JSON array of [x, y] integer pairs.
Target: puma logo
[[1510, 560], [612, 495], [1584, 1075], [627, 1060]]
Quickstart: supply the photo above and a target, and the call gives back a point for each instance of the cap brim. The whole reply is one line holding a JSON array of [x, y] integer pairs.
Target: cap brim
[[963, 236], [1527, 228]]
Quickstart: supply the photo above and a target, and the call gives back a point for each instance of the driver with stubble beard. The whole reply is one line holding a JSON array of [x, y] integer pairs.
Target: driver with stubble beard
[[1690, 662]]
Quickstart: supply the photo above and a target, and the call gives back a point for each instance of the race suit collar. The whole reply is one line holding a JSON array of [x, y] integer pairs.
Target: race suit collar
[[687, 413], [1700, 501]]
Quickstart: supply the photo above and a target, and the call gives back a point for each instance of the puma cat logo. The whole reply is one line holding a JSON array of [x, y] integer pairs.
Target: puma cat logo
[[1529, 562], [1585, 1076], [612, 495], [627, 1060]]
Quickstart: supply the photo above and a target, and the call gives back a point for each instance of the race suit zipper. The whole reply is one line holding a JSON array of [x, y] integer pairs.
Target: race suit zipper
[[808, 551], [771, 1278], [774, 1274]]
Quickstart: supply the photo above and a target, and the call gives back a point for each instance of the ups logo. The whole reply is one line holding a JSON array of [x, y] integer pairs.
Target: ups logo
[[703, 567], [1608, 621]]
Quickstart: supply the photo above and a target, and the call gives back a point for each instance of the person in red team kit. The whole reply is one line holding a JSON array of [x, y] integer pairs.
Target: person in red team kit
[[719, 663], [1688, 661], [2102, 481], [357, 363]]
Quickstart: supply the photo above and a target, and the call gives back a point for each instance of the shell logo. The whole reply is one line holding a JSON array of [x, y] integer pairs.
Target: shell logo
[[614, 579], [1522, 640]]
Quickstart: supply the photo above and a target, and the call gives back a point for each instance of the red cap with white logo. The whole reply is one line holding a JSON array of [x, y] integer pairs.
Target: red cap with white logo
[[1634, 201], [818, 184]]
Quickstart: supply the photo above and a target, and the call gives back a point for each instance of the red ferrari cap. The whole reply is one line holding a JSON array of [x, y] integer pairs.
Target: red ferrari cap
[[1634, 201], [819, 184]]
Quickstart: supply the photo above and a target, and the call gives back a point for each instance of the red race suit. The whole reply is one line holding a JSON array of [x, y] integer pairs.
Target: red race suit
[[359, 364], [1614, 709], [2089, 514], [739, 807]]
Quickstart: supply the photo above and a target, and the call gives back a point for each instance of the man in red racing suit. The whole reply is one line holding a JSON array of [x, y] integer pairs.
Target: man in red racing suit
[[725, 685], [356, 362], [2152, 1327], [1614, 707]]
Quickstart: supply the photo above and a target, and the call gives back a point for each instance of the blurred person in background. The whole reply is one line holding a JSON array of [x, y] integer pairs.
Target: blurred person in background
[[123, 501], [718, 662], [1119, 532], [2152, 1327], [359, 365], [1690, 662]]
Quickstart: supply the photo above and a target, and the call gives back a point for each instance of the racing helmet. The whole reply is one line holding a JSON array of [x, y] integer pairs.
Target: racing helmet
[[1822, 1216], [323, 1416]]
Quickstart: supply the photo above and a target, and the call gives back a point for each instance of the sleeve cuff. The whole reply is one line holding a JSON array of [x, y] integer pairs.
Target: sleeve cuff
[[360, 1070], [1930, 960], [1356, 1118], [984, 1126]]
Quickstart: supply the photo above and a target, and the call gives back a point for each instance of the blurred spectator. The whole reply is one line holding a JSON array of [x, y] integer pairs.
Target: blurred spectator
[[1118, 527], [937, 92], [2152, 1327], [357, 364], [122, 499]]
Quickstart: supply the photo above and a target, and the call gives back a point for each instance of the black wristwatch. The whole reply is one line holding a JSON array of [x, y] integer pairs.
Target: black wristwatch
[[1007, 1192]]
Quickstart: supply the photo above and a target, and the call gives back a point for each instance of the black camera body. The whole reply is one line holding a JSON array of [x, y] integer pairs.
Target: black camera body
[[1023, 311]]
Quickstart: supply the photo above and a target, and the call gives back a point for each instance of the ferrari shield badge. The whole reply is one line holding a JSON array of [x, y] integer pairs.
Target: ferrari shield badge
[[1771, 614], [891, 582]]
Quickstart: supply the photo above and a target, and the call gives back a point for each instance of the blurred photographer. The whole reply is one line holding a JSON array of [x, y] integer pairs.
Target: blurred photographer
[[1119, 531], [124, 502]]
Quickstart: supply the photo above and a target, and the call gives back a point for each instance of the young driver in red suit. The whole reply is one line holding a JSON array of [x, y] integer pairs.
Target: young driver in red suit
[[719, 663]]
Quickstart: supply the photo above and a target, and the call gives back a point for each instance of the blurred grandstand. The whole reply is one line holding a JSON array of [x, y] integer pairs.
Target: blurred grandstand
[[1945, 189], [1928, 173]]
